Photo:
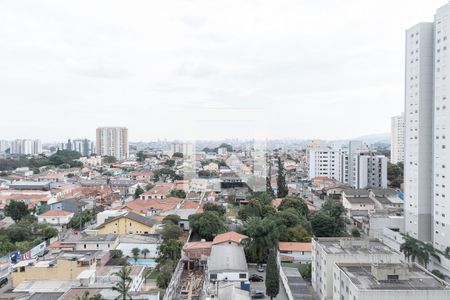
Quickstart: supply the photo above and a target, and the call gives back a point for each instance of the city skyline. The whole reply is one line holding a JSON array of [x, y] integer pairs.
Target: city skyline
[[265, 74]]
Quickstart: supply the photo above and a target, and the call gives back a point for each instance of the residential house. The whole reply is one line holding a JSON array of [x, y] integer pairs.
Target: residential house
[[55, 217], [128, 223], [295, 252]]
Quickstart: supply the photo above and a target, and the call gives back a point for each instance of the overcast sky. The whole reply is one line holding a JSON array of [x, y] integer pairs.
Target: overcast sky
[[326, 69]]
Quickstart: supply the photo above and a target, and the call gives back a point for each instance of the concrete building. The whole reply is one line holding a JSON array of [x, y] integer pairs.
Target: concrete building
[[26, 147], [398, 139], [112, 141], [427, 125], [368, 170], [326, 252], [398, 281], [84, 146], [187, 149], [328, 162], [295, 252], [56, 217]]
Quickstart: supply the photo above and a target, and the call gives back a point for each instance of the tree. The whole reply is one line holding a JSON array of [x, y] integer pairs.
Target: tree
[[355, 233], [135, 252], [109, 159], [123, 285], [252, 209], [178, 194], [138, 192], [5, 245], [79, 219], [16, 210], [165, 274], [171, 231], [219, 209], [85, 296], [169, 250], [296, 203], [336, 210], [116, 254], [177, 154], [272, 275], [322, 225], [207, 225], [306, 272], [264, 234], [174, 219], [282, 189], [144, 252]]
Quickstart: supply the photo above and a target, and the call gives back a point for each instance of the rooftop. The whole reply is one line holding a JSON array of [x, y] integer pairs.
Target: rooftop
[[353, 246], [359, 200], [227, 257], [56, 213], [294, 246], [418, 279]]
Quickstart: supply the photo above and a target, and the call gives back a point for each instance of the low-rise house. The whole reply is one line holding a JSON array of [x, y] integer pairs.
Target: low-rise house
[[196, 253], [30, 185], [105, 242], [227, 263], [130, 241], [128, 223], [159, 191], [55, 217], [357, 202], [66, 266], [71, 205], [295, 252]]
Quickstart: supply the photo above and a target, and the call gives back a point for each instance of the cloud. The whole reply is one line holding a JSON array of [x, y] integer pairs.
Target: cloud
[[308, 69]]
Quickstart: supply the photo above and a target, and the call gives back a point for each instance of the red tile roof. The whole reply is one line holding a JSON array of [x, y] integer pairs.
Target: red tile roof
[[295, 246], [55, 213], [230, 236]]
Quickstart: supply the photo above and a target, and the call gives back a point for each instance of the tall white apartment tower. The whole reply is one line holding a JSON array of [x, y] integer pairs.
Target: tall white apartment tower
[[397, 139], [112, 141], [418, 130], [441, 130]]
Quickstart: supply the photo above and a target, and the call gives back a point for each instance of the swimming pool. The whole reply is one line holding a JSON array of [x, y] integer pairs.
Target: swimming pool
[[142, 261]]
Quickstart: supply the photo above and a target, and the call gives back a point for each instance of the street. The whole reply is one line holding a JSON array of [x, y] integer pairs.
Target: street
[[261, 286]]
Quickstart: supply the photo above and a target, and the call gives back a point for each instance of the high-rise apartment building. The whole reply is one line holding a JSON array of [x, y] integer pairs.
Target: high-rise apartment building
[[427, 128], [84, 146], [26, 147], [397, 139], [353, 165], [112, 141]]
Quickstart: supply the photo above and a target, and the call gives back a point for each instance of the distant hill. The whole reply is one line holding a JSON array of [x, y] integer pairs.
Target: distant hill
[[381, 138]]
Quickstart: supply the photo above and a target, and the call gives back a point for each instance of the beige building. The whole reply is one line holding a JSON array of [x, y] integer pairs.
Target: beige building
[[112, 141]]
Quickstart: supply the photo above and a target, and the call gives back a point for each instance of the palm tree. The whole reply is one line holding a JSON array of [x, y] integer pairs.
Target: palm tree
[[135, 252], [123, 285], [410, 249], [144, 252]]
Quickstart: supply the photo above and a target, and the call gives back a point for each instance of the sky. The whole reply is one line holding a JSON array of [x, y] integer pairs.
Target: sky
[[211, 69]]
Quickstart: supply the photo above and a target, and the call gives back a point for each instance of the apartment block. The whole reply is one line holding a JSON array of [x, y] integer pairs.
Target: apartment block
[[112, 141], [427, 125], [326, 252], [397, 139]]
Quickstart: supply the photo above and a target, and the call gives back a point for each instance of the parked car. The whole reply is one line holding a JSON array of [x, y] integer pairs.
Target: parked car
[[256, 277], [3, 282], [260, 268], [258, 295]]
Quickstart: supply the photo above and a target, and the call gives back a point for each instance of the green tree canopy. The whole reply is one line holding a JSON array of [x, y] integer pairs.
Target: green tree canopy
[[282, 189], [207, 225], [272, 275], [294, 203], [219, 209], [16, 210], [171, 231], [174, 219], [123, 286]]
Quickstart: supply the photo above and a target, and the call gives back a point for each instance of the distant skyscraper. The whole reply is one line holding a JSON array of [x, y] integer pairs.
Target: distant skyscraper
[[84, 146], [427, 129], [397, 139], [112, 141], [26, 147]]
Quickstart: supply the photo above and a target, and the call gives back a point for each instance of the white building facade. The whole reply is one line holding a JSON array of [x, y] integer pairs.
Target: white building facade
[[427, 128], [397, 139], [112, 141]]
